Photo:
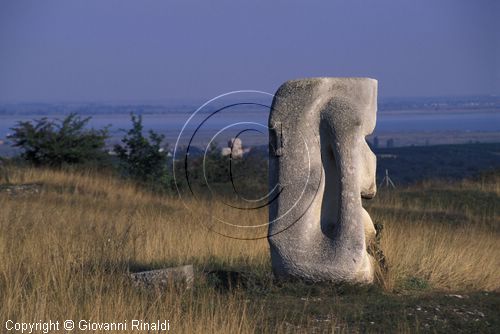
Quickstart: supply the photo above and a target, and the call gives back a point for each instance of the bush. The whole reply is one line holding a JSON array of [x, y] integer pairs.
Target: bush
[[60, 142], [143, 159]]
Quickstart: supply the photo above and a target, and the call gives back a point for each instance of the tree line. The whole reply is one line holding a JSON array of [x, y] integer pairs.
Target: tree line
[[141, 156], [70, 142]]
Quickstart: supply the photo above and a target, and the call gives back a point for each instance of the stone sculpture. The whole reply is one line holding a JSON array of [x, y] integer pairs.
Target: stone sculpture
[[320, 168], [234, 149]]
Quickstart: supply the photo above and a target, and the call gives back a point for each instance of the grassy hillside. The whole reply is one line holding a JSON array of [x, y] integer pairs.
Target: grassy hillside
[[68, 240]]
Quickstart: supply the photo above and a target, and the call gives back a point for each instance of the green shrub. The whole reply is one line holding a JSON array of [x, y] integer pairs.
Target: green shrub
[[143, 159], [60, 142]]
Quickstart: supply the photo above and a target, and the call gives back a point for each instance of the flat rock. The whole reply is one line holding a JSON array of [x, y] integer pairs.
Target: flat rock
[[20, 189], [162, 278]]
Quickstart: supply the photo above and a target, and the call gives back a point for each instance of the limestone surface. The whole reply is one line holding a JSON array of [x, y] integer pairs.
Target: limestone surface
[[322, 166], [161, 278]]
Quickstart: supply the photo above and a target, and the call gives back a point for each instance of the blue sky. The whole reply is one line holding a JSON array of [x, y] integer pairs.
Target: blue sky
[[139, 51]]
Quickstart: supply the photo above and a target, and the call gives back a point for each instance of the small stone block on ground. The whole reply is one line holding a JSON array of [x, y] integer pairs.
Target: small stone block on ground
[[162, 278]]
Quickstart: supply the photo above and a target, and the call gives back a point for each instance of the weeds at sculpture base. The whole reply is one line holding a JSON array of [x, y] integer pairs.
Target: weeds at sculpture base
[[66, 250]]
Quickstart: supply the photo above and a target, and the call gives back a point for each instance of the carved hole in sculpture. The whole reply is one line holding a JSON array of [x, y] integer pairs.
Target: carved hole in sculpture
[[330, 202]]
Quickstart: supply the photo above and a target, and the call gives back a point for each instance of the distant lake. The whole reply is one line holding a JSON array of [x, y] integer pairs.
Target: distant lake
[[171, 123], [448, 121]]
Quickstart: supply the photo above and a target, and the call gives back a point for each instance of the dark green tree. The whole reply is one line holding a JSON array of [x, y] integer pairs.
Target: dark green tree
[[60, 142], [143, 159]]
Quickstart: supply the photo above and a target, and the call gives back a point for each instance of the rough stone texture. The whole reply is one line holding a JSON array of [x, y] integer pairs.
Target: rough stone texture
[[162, 278], [323, 166]]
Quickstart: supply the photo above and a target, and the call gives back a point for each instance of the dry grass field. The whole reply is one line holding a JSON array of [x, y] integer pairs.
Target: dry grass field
[[68, 240]]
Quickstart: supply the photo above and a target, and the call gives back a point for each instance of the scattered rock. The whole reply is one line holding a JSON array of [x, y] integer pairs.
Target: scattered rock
[[20, 189], [162, 278], [457, 296], [324, 318]]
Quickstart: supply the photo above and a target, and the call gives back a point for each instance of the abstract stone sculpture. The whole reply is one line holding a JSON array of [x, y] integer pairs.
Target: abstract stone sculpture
[[320, 168]]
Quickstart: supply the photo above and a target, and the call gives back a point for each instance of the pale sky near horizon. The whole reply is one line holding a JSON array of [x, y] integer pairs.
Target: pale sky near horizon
[[123, 50]]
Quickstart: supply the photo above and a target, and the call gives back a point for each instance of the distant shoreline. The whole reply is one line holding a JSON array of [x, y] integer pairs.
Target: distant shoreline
[[400, 121]]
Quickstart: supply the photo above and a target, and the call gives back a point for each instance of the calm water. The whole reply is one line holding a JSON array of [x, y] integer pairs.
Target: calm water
[[172, 123], [417, 122]]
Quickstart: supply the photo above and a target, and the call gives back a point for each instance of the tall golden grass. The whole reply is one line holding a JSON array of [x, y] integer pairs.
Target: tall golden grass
[[65, 251]]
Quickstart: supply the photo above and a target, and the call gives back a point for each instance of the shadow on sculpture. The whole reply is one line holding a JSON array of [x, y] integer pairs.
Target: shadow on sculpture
[[318, 229]]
